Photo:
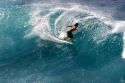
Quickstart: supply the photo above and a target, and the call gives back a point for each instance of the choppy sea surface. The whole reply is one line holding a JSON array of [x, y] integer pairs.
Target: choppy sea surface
[[31, 52]]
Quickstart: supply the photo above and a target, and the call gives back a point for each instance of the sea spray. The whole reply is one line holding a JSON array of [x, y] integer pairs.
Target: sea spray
[[43, 27], [119, 27], [93, 55]]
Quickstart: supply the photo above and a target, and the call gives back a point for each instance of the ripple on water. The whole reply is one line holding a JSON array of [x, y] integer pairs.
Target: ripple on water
[[4, 15]]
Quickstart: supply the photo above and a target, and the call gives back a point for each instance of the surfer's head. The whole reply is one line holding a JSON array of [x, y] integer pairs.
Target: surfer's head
[[76, 24]]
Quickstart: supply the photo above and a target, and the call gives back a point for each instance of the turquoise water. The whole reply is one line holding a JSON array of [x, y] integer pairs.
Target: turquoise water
[[30, 51]]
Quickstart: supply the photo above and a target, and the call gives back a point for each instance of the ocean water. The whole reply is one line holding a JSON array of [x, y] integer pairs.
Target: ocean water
[[31, 52]]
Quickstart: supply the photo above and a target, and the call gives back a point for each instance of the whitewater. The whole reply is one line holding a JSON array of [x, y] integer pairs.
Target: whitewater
[[31, 52], [46, 30]]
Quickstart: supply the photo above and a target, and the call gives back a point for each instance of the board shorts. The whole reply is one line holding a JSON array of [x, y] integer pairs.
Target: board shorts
[[69, 34]]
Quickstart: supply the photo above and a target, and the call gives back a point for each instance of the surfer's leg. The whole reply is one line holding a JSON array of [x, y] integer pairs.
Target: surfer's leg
[[69, 36]]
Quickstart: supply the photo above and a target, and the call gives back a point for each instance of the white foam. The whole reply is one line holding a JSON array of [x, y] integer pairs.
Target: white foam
[[62, 35], [123, 53], [118, 27], [41, 25]]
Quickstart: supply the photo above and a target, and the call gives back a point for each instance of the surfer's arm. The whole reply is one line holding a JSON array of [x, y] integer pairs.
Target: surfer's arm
[[70, 26]]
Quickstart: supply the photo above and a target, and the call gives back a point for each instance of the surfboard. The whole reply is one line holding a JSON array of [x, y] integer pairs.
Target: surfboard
[[66, 41]]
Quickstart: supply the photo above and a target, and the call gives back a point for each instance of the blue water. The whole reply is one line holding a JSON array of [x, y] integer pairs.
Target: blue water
[[30, 51]]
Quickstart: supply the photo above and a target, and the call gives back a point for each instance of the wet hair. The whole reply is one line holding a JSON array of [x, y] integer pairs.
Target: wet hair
[[76, 24]]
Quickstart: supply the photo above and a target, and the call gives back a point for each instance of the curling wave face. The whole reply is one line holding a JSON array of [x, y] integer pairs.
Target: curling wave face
[[49, 21]]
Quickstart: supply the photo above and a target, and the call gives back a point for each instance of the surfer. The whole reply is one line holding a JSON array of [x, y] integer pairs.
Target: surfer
[[70, 31]]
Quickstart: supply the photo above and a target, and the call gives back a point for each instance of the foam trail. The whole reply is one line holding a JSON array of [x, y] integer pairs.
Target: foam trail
[[41, 25]]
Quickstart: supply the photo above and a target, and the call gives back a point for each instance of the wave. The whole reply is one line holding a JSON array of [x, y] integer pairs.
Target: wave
[[96, 47], [49, 21]]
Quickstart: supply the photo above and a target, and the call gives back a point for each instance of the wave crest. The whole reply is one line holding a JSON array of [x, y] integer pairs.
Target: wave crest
[[49, 21]]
